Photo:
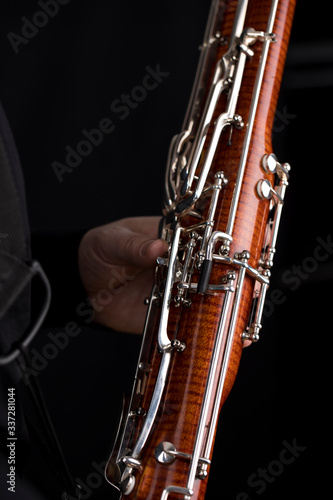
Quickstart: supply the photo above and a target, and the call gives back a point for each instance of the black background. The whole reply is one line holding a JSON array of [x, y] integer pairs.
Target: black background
[[63, 81]]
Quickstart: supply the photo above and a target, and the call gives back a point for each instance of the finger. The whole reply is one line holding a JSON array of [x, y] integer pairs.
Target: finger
[[148, 225], [121, 246], [247, 343]]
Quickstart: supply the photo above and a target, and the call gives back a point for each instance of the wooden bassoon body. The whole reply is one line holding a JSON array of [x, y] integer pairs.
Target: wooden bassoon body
[[224, 195]]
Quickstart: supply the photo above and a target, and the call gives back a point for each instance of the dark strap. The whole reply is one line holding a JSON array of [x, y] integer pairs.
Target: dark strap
[[45, 434], [23, 343], [16, 272]]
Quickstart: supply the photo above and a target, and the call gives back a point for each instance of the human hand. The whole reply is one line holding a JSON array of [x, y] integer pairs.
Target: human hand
[[116, 264]]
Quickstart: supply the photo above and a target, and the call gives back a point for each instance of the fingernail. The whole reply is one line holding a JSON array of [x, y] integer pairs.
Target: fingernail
[[144, 247]]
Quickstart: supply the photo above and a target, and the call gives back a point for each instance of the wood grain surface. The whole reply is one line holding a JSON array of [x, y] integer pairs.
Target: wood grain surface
[[197, 325]]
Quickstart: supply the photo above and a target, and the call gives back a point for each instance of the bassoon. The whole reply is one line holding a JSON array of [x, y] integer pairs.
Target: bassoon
[[224, 193]]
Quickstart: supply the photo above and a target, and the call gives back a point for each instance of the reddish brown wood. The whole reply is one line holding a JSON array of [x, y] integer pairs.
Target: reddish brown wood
[[184, 392]]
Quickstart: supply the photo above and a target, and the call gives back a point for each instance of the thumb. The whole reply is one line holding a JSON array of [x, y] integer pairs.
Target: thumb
[[122, 246], [151, 249]]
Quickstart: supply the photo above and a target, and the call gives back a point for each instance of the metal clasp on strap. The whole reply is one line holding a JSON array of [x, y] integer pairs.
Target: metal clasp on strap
[[28, 337]]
